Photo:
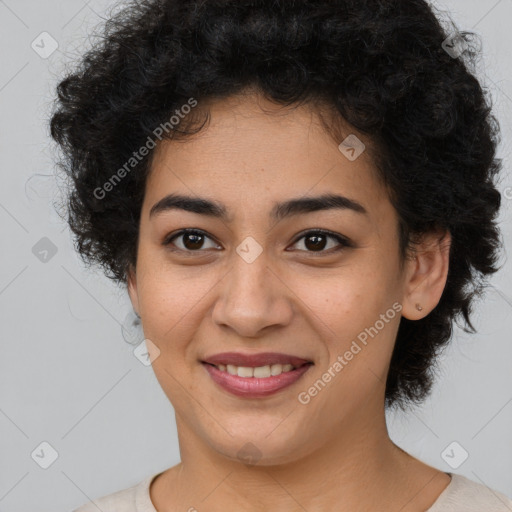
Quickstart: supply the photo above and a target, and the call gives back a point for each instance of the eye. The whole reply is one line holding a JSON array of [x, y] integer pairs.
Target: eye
[[193, 239], [316, 240]]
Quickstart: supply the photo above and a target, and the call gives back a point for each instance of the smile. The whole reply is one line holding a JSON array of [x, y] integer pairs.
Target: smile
[[255, 376]]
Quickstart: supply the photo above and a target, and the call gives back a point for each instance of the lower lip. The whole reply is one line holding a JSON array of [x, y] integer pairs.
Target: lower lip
[[253, 387]]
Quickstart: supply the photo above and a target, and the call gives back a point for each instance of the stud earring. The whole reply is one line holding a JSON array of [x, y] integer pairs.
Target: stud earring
[[418, 307]]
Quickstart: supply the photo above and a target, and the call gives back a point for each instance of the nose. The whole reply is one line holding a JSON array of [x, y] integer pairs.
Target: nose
[[252, 298]]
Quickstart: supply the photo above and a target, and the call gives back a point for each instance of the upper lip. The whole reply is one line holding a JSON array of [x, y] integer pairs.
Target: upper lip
[[255, 360]]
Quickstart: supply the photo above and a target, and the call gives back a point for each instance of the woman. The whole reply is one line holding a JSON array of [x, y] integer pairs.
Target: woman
[[293, 196]]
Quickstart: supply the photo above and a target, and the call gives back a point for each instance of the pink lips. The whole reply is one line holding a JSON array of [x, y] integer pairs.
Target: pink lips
[[253, 387]]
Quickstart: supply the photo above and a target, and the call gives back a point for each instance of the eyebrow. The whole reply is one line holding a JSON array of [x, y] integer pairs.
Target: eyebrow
[[279, 211]]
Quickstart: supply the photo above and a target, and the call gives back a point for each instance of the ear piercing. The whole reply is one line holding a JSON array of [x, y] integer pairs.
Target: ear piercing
[[418, 307]]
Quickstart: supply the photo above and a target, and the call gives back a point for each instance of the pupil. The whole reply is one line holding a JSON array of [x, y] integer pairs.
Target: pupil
[[198, 242], [315, 245]]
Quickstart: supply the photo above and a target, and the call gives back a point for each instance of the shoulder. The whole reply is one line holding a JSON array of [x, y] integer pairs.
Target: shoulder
[[465, 495], [131, 499]]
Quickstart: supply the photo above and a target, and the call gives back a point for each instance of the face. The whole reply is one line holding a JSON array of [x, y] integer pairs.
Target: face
[[252, 282]]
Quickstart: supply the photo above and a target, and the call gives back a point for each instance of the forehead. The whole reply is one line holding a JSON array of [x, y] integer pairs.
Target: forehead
[[254, 152]]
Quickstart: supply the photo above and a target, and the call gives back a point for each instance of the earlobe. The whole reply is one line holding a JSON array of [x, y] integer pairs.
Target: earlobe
[[427, 275]]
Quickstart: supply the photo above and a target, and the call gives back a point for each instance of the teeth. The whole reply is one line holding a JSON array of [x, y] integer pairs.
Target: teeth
[[258, 372], [261, 372], [244, 371]]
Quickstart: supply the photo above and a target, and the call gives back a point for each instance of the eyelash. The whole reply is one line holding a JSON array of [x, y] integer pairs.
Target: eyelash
[[343, 241]]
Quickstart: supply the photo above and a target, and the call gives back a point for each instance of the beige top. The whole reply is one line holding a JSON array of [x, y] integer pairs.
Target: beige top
[[461, 495]]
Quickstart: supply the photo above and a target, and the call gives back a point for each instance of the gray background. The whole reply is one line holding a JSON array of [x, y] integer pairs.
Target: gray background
[[67, 375]]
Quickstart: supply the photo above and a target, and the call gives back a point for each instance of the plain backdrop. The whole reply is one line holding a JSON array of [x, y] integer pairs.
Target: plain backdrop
[[75, 398]]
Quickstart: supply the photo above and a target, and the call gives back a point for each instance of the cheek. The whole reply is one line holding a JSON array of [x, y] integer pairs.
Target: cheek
[[173, 301], [354, 314], [169, 316], [346, 299]]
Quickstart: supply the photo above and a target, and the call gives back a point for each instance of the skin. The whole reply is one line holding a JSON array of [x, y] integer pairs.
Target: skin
[[333, 453]]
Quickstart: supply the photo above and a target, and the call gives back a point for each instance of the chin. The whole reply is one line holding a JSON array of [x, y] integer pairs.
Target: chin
[[255, 448]]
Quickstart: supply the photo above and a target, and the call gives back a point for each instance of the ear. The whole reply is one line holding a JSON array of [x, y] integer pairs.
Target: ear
[[426, 275], [132, 288]]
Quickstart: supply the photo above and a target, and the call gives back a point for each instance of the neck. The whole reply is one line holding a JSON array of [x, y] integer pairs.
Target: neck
[[357, 467]]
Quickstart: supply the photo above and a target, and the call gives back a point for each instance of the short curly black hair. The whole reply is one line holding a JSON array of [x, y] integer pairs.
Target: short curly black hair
[[387, 67]]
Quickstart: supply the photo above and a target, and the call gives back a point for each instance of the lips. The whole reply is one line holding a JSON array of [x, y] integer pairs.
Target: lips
[[255, 360], [253, 387], [286, 370]]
